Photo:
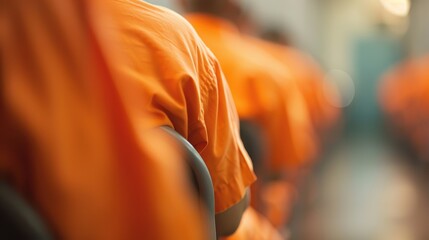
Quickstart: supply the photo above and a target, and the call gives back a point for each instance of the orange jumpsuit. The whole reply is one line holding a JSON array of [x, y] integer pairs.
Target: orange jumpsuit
[[308, 111], [309, 79], [68, 143], [254, 226], [396, 93], [177, 81], [404, 97], [279, 198], [257, 85]]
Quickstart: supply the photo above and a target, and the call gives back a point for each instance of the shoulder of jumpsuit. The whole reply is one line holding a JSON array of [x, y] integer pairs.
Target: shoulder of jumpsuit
[[168, 37], [272, 56], [273, 80], [305, 76], [240, 60], [280, 52], [167, 58], [301, 66], [218, 34], [295, 62], [307, 64]]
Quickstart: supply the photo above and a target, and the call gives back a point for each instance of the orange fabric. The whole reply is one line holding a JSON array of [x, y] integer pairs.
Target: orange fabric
[[179, 82], [257, 83], [278, 200], [250, 82], [254, 226], [309, 79], [68, 143], [302, 101], [396, 92], [404, 97]]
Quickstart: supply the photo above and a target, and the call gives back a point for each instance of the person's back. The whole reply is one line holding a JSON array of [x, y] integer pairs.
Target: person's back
[[301, 99], [185, 89], [310, 80], [403, 96], [68, 143]]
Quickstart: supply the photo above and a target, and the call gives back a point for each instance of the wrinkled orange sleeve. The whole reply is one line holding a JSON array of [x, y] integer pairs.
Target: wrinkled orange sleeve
[[68, 143], [178, 82]]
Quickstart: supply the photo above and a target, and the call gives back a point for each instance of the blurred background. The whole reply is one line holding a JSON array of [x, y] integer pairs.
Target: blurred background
[[371, 182], [360, 38]]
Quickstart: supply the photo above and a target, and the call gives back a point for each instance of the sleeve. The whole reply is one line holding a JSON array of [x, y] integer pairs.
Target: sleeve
[[228, 162]]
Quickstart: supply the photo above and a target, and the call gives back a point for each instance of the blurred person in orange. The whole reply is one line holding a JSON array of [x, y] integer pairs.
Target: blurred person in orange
[[310, 80], [69, 144], [255, 227], [262, 89], [279, 196], [257, 80], [404, 97], [305, 141], [309, 114], [396, 94], [179, 82]]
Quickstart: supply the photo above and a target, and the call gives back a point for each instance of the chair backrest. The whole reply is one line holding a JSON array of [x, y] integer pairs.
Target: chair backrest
[[17, 219], [202, 176]]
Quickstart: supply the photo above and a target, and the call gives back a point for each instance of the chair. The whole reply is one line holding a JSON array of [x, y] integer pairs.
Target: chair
[[17, 219], [202, 178]]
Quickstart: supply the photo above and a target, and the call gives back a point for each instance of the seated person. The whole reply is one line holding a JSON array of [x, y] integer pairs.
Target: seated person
[[68, 144], [177, 82]]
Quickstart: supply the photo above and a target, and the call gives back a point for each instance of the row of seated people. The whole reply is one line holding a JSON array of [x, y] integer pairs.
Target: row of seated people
[[86, 84], [280, 92], [404, 97]]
